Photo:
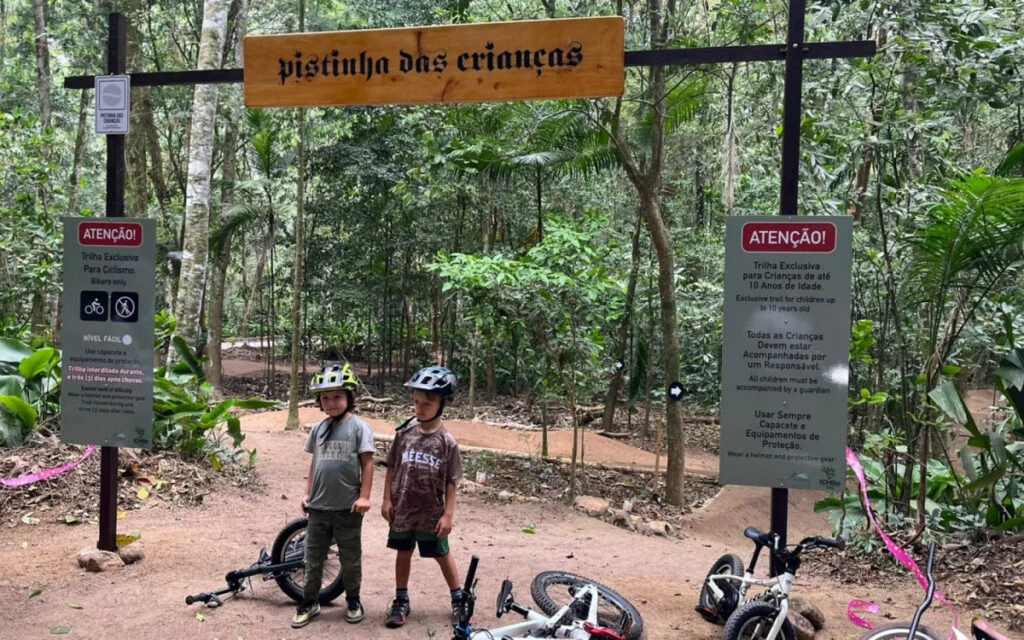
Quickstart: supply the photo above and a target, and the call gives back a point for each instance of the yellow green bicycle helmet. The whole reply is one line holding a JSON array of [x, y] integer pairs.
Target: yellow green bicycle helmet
[[333, 377]]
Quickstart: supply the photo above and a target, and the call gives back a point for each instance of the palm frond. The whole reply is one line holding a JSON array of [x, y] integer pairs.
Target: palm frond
[[234, 219], [681, 105], [975, 234]]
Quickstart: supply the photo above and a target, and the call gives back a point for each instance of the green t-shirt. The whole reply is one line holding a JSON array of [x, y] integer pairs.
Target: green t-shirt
[[337, 474]]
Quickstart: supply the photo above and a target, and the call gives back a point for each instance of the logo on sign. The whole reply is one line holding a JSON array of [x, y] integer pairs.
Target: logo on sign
[[110, 234], [789, 237]]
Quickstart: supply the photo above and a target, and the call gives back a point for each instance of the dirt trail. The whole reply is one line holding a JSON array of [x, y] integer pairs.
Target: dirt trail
[[190, 550], [599, 449]]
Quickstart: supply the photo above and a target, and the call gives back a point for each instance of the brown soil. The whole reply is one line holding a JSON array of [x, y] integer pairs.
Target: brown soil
[[189, 550]]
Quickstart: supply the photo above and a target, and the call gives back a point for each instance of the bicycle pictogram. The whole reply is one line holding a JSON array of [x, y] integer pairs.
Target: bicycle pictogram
[[93, 306]]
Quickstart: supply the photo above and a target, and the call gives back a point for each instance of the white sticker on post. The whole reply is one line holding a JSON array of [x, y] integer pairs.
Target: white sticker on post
[[113, 104]]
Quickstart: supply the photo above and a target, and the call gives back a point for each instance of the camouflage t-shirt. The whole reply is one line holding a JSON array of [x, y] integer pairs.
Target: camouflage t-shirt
[[421, 465]]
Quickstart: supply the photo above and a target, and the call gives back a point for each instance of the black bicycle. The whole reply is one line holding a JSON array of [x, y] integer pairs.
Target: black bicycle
[[286, 565]]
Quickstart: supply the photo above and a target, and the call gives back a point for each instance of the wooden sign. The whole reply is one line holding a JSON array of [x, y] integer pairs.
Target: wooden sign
[[492, 62]]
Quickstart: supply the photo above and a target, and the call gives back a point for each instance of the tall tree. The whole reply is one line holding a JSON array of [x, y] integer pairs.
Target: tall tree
[[647, 181], [220, 244], [45, 122], [192, 282], [300, 255]]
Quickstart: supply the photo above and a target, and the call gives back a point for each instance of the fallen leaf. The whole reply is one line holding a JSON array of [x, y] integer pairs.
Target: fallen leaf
[[70, 519], [60, 631], [431, 632], [200, 617], [35, 592], [24, 545], [75, 606], [125, 539], [529, 530], [143, 493], [121, 514], [28, 519]]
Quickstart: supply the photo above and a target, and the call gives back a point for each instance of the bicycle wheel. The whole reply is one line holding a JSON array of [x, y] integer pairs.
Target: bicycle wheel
[[552, 590], [753, 621], [901, 631], [290, 545], [729, 564]]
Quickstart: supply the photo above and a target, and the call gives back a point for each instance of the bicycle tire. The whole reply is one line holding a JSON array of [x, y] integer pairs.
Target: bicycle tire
[[730, 564], [899, 631], [753, 620], [545, 581], [291, 541]]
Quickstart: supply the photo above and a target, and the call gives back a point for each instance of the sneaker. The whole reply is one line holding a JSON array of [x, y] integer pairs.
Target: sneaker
[[354, 613], [456, 611], [304, 614], [399, 613]]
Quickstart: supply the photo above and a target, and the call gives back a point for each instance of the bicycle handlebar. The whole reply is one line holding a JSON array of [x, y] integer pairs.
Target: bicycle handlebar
[[471, 574]]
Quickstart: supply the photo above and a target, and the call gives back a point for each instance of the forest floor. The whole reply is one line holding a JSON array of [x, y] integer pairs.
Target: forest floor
[[196, 526]]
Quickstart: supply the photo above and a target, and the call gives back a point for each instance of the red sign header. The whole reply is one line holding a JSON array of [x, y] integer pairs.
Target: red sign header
[[789, 237], [110, 234]]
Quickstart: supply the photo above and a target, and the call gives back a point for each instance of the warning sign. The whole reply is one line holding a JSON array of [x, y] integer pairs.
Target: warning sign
[[113, 104], [107, 390], [785, 364]]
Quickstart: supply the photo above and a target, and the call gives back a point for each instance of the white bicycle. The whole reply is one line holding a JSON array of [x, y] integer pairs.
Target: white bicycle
[[724, 596], [573, 606]]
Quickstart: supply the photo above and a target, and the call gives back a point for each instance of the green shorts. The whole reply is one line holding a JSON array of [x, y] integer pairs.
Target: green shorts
[[430, 545]]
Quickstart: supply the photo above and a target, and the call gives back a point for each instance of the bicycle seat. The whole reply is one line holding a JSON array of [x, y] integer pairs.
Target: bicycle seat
[[981, 631], [757, 536]]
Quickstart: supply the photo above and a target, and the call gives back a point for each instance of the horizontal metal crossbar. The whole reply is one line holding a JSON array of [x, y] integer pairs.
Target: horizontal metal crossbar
[[688, 56]]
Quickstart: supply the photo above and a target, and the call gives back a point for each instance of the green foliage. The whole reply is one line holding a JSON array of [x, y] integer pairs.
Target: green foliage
[[29, 386], [187, 420]]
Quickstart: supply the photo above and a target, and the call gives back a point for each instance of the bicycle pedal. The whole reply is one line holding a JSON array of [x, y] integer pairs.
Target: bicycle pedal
[[708, 614]]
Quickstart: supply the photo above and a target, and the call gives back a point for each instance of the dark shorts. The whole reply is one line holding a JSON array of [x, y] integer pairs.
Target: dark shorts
[[430, 545]]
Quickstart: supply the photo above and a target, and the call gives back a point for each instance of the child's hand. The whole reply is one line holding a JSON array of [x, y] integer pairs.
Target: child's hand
[[305, 499], [361, 505], [387, 511], [444, 526]]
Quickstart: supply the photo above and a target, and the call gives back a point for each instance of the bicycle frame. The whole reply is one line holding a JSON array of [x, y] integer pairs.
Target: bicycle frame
[[538, 622], [776, 588]]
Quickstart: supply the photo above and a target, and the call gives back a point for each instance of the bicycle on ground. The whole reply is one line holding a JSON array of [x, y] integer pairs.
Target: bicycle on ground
[[573, 607], [725, 596]]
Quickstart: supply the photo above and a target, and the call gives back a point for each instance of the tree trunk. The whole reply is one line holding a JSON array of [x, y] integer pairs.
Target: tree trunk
[[300, 245], [863, 177], [192, 282], [136, 143], [42, 69], [229, 175], [474, 341], [666, 285], [254, 290], [648, 186], [612, 399], [3, 38], [76, 162]]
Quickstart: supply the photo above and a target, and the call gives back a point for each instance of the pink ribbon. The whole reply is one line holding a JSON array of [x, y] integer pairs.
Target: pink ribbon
[[30, 478], [861, 605], [899, 554]]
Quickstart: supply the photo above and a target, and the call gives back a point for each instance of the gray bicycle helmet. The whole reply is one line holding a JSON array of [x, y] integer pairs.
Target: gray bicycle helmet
[[437, 380]]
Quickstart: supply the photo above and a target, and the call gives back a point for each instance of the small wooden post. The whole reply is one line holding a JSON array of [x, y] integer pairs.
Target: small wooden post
[[657, 455]]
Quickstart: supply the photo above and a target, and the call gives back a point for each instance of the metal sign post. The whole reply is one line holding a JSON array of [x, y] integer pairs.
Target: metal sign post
[[794, 51]]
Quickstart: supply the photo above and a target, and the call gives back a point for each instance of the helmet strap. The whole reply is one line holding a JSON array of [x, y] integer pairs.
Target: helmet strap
[[440, 410]]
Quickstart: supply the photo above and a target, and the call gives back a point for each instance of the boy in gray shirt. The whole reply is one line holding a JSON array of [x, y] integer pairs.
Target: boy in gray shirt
[[337, 491]]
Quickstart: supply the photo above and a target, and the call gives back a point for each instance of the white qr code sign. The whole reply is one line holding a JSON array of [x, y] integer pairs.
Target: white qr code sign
[[113, 104]]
